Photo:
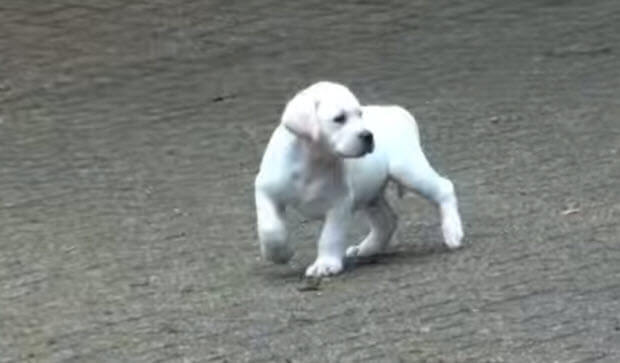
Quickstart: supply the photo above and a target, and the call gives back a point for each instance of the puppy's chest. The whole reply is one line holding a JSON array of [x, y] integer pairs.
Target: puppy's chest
[[315, 191]]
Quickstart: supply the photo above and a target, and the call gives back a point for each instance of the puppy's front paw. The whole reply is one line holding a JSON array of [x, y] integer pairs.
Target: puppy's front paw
[[276, 252], [324, 266]]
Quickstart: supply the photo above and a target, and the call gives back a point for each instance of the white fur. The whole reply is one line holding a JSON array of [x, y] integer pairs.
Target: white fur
[[326, 169]]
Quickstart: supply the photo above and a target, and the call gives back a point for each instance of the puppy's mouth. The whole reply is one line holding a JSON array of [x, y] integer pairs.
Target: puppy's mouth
[[367, 148], [365, 151]]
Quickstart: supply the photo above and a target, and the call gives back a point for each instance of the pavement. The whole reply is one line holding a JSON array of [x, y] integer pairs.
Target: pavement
[[130, 133]]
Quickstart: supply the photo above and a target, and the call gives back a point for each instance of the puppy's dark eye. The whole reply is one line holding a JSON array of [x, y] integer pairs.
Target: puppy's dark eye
[[340, 119]]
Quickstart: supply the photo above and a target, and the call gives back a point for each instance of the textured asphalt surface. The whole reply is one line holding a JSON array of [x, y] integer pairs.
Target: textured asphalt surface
[[130, 132]]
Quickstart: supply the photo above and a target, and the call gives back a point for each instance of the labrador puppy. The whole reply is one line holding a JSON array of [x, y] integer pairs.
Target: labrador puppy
[[331, 156]]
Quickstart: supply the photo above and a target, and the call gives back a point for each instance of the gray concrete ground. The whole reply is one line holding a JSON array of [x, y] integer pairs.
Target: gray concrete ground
[[130, 132]]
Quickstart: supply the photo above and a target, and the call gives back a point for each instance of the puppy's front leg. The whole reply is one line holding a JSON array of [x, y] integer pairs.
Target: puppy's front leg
[[331, 245], [271, 229]]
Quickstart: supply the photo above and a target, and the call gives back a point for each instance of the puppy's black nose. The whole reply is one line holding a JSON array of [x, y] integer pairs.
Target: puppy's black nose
[[367, 138]]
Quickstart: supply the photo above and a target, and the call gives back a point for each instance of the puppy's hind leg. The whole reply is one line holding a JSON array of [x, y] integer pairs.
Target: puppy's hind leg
[[271, 229], [382, 220], [413, 171]]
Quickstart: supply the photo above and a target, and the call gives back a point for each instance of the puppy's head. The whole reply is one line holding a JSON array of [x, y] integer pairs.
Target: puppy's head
[[328, 114]]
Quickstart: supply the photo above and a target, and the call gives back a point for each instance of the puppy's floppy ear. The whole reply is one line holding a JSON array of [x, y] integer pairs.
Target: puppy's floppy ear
[[299, 116]]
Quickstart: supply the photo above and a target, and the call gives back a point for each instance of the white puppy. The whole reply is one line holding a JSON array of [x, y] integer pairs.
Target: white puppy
[[329, 157]]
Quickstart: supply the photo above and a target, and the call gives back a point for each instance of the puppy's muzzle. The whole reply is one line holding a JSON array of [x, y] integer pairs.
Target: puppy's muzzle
[[367, 141]]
